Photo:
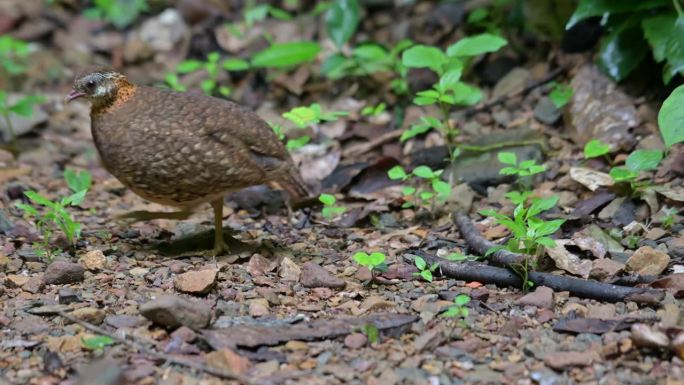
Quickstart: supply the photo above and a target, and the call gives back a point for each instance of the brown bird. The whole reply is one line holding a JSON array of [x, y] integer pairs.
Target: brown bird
[[182, 149]]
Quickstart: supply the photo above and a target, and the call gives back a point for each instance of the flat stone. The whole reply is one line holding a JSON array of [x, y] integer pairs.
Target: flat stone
[[515, 80], [123, 321], [35, 284], [314, 275], [289, 271], [228, 359], [196, 282], [62, 272], [603, 269], [355, 340], [541, 297], [173, 311], [185, 334], [563, 360], [546, 112], [67, 295], [258, 265], [648, 261], [94, 260], [138, 271], [258, 307], [91, 315], [15, 281]]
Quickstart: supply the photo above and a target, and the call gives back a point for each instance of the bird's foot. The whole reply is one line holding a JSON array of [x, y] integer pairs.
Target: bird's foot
[[220, 248], [138, 216]]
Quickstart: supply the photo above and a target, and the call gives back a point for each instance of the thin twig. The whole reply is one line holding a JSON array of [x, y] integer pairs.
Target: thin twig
[[167, 358], [364, 147]]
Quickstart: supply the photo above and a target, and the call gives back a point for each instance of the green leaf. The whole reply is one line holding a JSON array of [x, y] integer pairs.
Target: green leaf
[[622, 50], [451, 78], [441, 187], [427, 275], [27, 209], [494, 249], [371, 332], [96, 342], [423, 172], [456, 257], [540, 205], [376, 258], [466, 94], [408, 190], [664, 34], [235, 65], [188, 66], [282, 55], [302, 116], [560, 95], [595, 148], [420, 263], [461, 299], [507, 158], [397, 173], [77, 181], [296, 143], [426, 195], [256, 13], [671, 118], [549, 227], [623, 174], [546, 241], [476, 45], [423, 56], [341, 21], [644, 160], [362, 258], [591, 8], [37, 198], [327, 199]]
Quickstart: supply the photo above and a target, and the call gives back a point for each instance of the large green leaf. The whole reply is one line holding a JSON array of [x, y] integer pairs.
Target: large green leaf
[[476, 45], [671, 117], [591, 8], [423, 56], [341, 21], [622, 50], [644, 160], [665, 35], [283, 55]]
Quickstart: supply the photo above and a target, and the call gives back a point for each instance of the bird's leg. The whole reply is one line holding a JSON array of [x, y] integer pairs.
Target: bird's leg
[[220, 245], [137, 216]]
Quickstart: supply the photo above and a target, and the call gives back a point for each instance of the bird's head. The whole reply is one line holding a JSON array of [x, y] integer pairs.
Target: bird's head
[[99, 87]]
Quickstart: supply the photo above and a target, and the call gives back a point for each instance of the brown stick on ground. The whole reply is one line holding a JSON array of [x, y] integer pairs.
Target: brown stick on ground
[[505, 277], [221, 373]]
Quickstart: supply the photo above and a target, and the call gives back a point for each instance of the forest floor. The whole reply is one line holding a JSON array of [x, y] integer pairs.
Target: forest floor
[[291, 304]]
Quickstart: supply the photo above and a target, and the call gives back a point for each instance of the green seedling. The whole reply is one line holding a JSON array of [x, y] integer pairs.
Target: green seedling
[[669, 217], [424, 270], [286, 55], [329, 209], [530, 233], [595, 148], [96, 342], [458, 309], [521, 169], [560, 94], [212, 66], [373, 110], [78, 181], [121, 13], [258, 13], [305, 117], [375, 262], [458, 257], [637, 162], [449, 91], [418, 194], [22, 107], [371, 332], [13, 55]]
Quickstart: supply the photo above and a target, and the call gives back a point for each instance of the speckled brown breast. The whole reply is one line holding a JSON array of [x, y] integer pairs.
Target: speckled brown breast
[[184, 149]]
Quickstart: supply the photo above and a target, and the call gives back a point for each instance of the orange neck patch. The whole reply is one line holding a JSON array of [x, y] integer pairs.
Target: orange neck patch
[[124, 91]]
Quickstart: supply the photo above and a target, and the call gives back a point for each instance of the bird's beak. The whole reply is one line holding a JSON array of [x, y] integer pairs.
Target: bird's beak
[[74, 95]]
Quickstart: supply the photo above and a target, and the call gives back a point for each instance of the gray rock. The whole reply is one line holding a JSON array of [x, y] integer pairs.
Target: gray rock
[[542, 297], [173, 311], [62, 272], [515, 80], [67, 295], [546, 112]]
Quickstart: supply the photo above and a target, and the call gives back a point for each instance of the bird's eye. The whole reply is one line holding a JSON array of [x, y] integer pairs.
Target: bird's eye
[[90, 84]]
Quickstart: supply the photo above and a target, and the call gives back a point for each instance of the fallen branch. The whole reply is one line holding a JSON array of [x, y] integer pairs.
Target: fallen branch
[[227, 375], [506, 277], [364, 147]]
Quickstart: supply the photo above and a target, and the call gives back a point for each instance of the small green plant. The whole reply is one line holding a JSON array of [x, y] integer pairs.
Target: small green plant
[[329, 209], [424, 270], [121, 13], [458, 309], [212, 66], [96, 342], [530, 233], [22, 107], [286, 55], [303, 117], [373, 110], [55, 215], [521, 169], [375, 262], [428, 194], [637, 162], [13, 55], [449, 90], [560, 94], [595, 148], [671, 115], [371, 332], [254, 14]]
